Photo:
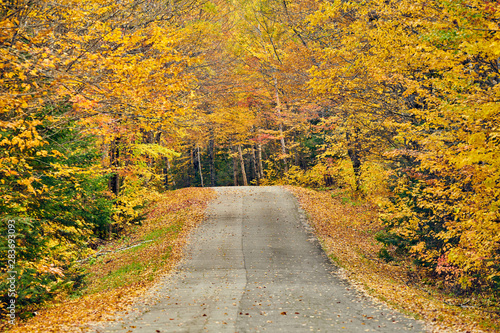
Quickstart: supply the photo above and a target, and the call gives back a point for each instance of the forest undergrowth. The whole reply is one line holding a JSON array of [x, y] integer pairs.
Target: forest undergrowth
[[123, 269]]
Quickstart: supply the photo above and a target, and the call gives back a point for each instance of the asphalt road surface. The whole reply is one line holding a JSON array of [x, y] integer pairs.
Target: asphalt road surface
[[254, 266]]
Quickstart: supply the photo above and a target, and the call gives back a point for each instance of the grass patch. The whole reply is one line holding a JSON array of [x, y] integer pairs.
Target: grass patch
[[167, 253], [156, 234], [349, 201], [335, 260], [122, 276]]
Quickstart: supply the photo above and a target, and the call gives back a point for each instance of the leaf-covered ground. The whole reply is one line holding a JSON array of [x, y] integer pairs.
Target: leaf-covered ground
[[346, 228], [129, 265]]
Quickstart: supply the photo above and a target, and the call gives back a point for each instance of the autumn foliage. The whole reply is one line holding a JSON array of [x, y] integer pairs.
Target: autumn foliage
[[106, 104], [406, 90], [86, 92], [427, 74]]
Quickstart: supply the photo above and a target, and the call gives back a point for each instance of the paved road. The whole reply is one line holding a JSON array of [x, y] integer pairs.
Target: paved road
[[254, 266]]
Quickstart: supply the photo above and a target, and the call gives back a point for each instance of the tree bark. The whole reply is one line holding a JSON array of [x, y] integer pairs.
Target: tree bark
[[256, 174], [166, 171], [354, 150], [235, 168], [259, 156], [114, 154], [114, 181], [199, 166], [211, 154], [282, 137], [242, 163]]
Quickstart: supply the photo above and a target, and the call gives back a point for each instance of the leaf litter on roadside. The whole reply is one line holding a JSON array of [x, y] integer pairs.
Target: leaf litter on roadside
[[347, 231], [115, 280]]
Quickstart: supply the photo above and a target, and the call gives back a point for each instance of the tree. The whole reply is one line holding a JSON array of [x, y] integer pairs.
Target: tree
[[418, 71], [73, 75]]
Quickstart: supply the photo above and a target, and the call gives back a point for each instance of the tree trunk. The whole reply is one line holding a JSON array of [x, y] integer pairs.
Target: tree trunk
[[259, 156], [283, 149], [256, 174], [105, 154], [166, 171], [199, 166], [235, 168], [242, 163], [114, 181], [353, 150], [114, 154], [282, 137], [192, 171], [148, 140], [211, 154]]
